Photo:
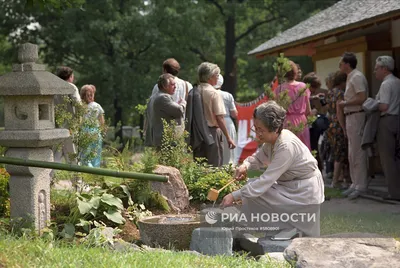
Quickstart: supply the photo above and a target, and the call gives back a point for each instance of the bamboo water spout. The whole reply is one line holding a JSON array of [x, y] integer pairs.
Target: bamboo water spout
[[84, 169]]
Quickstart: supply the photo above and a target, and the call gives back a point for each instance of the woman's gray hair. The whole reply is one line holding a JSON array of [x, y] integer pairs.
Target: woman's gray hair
[[271, 114], [206, 70], [386, 61]]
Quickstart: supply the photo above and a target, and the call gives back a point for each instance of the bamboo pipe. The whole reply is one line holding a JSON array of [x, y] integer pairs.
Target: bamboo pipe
[[84, 169]]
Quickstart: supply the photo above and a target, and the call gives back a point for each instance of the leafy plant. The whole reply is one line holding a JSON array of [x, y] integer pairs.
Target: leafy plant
[[136, 212], [216, 179], [4, 193], [150, 159], [100, 205], [174, 150], [97, 236], [78, 123]]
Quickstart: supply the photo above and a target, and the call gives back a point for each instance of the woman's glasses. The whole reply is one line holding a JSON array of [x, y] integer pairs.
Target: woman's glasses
[[257, 130]]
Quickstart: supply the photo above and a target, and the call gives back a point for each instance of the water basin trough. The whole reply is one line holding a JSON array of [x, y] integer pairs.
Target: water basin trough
[[168, 231]]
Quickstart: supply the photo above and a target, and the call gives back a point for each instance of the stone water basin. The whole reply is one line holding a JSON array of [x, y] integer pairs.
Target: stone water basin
[[168, 231]]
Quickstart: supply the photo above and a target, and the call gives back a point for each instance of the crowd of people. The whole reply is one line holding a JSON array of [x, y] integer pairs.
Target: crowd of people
[[205, 111], [341, 134], [346, 126]]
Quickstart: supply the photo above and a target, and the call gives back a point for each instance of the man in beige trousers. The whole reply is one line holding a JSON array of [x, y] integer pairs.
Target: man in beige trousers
[[354, 96]]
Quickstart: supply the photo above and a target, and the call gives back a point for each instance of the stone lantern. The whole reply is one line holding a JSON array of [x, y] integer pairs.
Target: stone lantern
[[30, 132]]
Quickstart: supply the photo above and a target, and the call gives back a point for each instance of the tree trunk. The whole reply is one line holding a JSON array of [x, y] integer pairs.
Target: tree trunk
[[230, 79]]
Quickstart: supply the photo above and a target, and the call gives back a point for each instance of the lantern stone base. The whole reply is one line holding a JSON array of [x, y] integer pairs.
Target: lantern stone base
[[30, 187]]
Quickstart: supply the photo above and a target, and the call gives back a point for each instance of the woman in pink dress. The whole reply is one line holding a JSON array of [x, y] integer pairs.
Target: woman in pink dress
[[299, 107]]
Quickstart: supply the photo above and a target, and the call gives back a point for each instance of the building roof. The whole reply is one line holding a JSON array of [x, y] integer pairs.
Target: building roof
[[344, 15]]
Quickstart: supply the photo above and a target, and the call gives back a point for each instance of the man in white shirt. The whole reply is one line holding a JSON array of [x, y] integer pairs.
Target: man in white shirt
[[182, 88], [68, 147], [171, 66], [388, 132], [354, 96]]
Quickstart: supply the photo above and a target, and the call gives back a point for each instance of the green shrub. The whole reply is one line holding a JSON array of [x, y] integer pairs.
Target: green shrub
[[4, 193], [213, 178], [174, 150], [136, 212], [77, 123]]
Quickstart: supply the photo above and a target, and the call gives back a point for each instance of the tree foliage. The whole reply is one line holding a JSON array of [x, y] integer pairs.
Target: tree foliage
[[119, 45]]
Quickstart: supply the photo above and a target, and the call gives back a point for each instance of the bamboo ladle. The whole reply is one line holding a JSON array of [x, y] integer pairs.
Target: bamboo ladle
[[213, 193]]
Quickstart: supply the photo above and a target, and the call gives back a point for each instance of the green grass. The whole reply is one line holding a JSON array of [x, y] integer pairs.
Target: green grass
[[386, 224], [333, 193], [24, 252]]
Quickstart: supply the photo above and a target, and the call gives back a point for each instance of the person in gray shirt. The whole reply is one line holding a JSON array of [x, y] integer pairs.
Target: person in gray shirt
[[388, 131]]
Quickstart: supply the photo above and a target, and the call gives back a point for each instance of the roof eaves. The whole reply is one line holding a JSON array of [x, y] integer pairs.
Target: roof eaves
[[352, 26]]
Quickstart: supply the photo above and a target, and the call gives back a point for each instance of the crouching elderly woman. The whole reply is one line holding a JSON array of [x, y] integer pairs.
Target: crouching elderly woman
[[291, 186]]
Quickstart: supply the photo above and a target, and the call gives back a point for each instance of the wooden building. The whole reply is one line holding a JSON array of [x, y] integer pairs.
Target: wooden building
[[369, 28]]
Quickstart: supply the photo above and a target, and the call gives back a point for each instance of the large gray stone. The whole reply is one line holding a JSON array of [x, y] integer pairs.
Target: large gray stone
[[212, 241], [174, 191], [344, 250]]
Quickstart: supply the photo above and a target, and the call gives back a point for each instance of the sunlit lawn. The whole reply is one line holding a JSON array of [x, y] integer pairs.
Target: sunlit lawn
[[23, 252]]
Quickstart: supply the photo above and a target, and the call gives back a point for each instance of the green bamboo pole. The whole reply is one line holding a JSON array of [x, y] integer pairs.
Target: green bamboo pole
[[84, 169]]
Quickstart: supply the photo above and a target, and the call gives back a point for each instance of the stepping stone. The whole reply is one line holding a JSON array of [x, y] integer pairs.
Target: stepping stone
[[260, 246], [344, 250], [212, 241]]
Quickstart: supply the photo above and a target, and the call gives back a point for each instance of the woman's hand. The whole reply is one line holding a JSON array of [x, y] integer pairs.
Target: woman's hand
[[227, 201], [314, 112], [241, 173]]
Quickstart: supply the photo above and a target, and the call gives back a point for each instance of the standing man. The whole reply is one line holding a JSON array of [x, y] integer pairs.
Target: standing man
[[389, 124], [214, 112], [162, 106], [354, 96], [68, 147], [171, 66]]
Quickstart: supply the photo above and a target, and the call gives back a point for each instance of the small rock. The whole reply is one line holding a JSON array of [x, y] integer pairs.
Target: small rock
[[108, 233], [121, 245]]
